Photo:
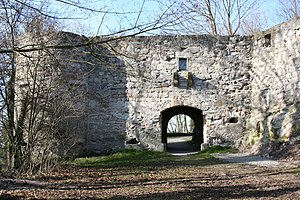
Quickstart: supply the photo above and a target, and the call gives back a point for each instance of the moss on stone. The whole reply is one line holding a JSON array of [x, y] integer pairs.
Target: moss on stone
[[253, 138]]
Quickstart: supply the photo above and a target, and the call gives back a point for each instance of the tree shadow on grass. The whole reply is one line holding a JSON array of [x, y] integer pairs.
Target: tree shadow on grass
[[134, 159], [159, 177], [120, 164]]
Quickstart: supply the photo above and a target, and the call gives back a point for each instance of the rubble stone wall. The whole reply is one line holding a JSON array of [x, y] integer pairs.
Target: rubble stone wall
[[219, 68], [242, 86], [275, 86]]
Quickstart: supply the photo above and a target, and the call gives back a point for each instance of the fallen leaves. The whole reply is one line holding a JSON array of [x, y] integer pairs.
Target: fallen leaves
[[184, 178]]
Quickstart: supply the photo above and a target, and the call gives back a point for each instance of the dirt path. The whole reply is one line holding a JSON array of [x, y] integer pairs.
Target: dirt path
[[169, 177], [181, 146], [247, 158]]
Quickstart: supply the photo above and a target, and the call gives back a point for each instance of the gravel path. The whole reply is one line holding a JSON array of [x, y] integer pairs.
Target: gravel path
[[179, 146], [249, 159]]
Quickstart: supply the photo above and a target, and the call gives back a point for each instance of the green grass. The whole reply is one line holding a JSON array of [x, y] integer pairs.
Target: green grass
[[125, 158], [134, 158]]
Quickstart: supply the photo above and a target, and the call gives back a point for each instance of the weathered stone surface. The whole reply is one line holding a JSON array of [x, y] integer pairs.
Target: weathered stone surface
[[240, 85], [275, 84], [220, 83]]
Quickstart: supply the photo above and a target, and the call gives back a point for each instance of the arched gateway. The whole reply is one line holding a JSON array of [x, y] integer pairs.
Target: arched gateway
[[195, 114], [124, 91]]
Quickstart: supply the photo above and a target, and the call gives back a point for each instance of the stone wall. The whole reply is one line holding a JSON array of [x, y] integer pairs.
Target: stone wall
[[243, 87], [219, 67], [86, 90], [275, 85], [100, 78], [127, 84]]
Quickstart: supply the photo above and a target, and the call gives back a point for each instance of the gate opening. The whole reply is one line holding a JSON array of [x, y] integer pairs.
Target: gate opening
[[180, 125], [182, 129]]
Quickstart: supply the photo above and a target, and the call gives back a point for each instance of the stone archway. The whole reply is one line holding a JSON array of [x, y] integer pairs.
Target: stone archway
[[195, 114]]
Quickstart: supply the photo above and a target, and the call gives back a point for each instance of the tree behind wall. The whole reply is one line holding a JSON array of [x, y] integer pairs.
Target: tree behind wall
[[288, 9], [181, 124], [218, 17]]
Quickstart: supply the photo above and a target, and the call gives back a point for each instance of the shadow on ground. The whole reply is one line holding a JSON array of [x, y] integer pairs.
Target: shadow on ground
[[156, 175], [181, 146], [225, 192]]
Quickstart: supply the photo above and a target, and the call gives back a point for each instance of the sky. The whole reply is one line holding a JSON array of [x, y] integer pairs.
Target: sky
[[269, 8], [118, 14], [121, 14]]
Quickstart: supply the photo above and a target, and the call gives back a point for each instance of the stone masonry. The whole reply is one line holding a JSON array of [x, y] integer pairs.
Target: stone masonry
[[234, 87], [219, 68], [275, 110]]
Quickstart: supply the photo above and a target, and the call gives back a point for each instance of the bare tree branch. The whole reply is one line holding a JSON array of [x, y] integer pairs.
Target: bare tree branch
[[288, 9], [36, 101], [210, 16]]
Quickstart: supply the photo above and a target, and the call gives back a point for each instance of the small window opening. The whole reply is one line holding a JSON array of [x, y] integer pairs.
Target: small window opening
[[182, 64], [233, 120], [132, 141], [182, 48], [267, 40]]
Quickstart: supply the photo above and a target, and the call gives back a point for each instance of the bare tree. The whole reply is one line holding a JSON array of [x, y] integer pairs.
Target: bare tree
[[180, 124], [209, 16], [254, 23], [288, 9], [25, 92], [9, 21], [34, 100]]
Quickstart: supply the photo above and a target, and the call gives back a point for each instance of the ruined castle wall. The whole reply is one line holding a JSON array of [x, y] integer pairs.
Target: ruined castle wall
[[276, 82], [85, 88], [220, 84], [113, 92], [98, 76]]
